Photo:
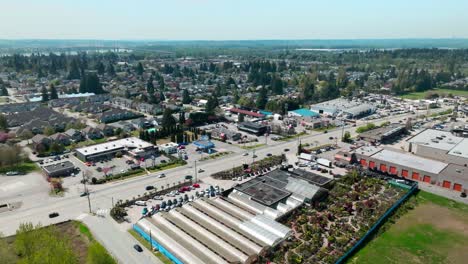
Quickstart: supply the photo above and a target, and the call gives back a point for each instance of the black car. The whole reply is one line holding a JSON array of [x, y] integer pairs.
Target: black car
[[137, 248], [326, 131], [83, 194], [269, 154], [331, 138], [149, 187], [286, 150], [188, 177], [53, 215]]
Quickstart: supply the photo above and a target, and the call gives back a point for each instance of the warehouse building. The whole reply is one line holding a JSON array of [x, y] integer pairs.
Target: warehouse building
[[343, 107], [132, 146], [440, 145], [383, 134], [212, 231], [61, 169], [406, 165]]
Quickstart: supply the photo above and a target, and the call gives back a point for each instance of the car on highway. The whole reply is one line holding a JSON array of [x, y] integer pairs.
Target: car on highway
[[330, 138], [53, 215], [188, 177], [149, 187], [83, 194], [245, 154], [254, 156], [137, 248], [12, 173], [326, 131], [286, 150], [269, 155], [200, 170], [162, 175]]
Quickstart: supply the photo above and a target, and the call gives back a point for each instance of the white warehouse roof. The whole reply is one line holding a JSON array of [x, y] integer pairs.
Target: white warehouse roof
[[410, 161]]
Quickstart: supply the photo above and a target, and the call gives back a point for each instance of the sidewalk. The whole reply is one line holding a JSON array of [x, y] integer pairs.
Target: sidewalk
[[450, 194], [118, 242]]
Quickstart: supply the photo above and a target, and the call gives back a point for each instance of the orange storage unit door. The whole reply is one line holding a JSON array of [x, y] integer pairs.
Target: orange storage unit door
[[363, 162], [393, 170], [383, 167], [404, 173], [415, 176], [446, 184], [457, 187], [427, 179], [371, 164]]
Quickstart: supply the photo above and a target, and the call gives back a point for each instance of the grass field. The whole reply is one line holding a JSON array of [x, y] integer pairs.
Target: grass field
[[435, 231], [422, 95]]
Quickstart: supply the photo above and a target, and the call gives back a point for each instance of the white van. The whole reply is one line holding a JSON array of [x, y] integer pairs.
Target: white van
[[140, 203]]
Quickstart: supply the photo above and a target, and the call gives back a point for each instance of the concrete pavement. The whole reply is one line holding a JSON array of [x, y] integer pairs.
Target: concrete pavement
[[118, 242]]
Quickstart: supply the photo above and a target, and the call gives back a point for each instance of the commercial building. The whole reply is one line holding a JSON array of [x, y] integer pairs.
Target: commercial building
[[225, 134], [204, 144], [303, 113], [413, 167], [253, 128], [383, 134], [343, 107], [132, 146], [169, 148], [246, 113], [440, 145], [212, 231], [61, 169]]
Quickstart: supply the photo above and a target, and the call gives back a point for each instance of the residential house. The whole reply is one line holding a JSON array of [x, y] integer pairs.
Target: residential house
[[75, 135], [61, 138], [107, 130], [41, 139], [93, 133]]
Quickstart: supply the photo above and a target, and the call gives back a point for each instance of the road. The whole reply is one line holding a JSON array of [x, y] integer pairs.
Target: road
[[118, 242], [37, 208]]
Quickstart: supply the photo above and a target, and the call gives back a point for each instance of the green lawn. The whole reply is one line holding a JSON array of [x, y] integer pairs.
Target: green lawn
[[23, 167], [422, 95], [435, 231], [253, 146]]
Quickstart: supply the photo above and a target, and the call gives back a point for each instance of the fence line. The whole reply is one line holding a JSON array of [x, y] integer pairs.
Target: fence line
[[352, 250]]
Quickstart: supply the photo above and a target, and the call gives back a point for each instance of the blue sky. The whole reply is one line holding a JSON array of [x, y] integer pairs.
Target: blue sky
[[233, 19]]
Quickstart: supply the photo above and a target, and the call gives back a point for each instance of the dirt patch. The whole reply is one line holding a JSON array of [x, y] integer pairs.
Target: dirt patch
[[438, 216]]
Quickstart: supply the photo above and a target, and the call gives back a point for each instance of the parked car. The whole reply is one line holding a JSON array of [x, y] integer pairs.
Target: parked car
[[140, 203], [12, 173], [53, 215], [157, 197], [196, 185], [137, 248]]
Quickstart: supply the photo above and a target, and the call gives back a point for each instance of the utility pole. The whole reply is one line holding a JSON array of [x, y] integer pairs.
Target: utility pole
[[151, 240], [86, 190], [195, 162], [342, 129]]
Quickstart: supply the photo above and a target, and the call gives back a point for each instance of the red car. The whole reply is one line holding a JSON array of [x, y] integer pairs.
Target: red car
[[196, 185], [181, 190]]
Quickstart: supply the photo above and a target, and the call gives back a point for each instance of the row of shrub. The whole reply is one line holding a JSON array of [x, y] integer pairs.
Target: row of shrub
[[116, 176]]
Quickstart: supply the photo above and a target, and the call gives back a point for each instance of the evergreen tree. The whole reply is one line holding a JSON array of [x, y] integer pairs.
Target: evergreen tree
[[211, 105], [262, 99], [90, 84], [168, 121], [100, 68], [45, 95], [4, 91], [150, 86], [140, 69], [186, 97], [74, 72], [162, 84], [182, 118], [110, 70], [162, 98], [53, 92]]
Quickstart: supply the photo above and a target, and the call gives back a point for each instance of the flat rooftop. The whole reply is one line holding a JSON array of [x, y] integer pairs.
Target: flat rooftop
[[437, 139], [367, 150], [382, 132], [410, 161], [264, 192], [59, 166], [129, 143], [461, 149]]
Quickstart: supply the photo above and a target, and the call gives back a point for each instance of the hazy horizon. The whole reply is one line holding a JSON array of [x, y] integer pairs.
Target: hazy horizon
[[188, 20]]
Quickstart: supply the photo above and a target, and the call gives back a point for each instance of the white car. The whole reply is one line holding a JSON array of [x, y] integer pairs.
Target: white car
[[245, 154], [158, 198], [162, 175], [140, 203]]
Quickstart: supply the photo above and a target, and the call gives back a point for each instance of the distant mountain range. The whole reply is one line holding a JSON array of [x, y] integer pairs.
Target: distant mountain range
[[41, 44]]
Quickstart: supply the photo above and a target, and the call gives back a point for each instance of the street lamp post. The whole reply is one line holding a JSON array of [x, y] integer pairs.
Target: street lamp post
[[196, 172], [86, 190]]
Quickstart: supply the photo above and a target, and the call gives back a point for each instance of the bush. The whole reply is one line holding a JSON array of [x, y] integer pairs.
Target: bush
[[118, 154], [94, 180]]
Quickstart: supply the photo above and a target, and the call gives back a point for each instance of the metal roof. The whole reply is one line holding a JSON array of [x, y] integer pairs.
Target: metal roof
[[461, 149], [410, 161], [437, 139], [130, 143]]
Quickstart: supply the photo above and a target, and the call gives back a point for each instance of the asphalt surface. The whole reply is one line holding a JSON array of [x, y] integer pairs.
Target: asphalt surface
[[102, 196]]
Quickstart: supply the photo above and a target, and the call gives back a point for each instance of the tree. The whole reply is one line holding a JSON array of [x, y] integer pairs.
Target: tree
[[211, 104], [45, 94], [186, 97], [49, 130], [262, 99], [74, 72], [277, 85], [53, 92], [241, 118], [168, 120], [90, 84], [4, 91], [140, 69], [100, 68], [3, 122], [110, 70], [150, 86], [57, 148], [346, 137], [182, 118], [162, 98]]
